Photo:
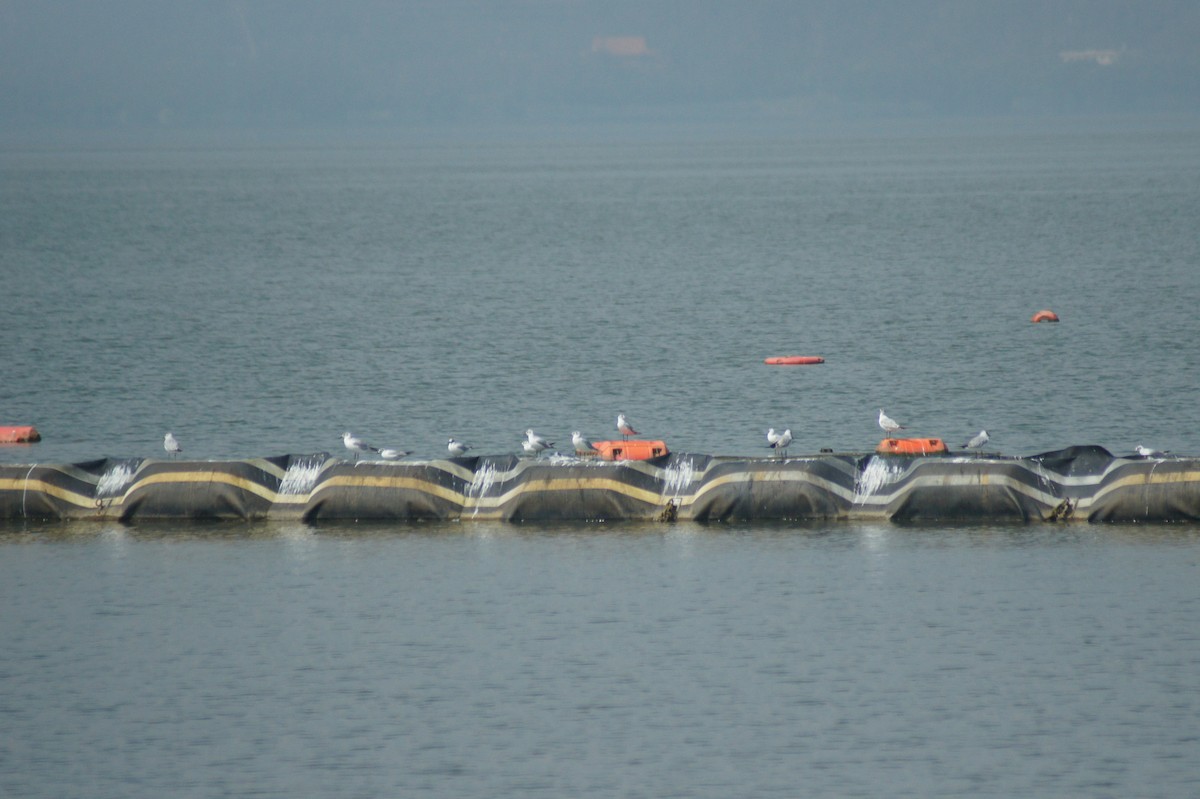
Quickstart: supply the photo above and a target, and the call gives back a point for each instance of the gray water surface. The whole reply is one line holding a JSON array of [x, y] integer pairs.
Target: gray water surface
[[492, 660], [260, 301]]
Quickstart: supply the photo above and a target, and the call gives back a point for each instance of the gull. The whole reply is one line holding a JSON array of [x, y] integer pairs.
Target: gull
[[582, 445], [772, 437], [888, 424], [1146, 452], [538, 441], [355, 444], [389, 454], [534, 444], [625, 427], [171, 445], [978, 441], [780, 444], [456, 448]]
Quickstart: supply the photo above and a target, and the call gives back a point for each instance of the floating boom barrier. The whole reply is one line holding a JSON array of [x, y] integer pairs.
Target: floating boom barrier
[[1077, 484]]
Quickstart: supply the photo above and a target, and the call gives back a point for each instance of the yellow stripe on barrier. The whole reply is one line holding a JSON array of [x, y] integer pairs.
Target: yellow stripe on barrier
[[41, 486], [251, 486], [1139, 481], [469, 502]]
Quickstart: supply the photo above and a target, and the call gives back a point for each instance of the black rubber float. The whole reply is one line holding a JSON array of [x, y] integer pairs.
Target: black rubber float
[[1080, 483]]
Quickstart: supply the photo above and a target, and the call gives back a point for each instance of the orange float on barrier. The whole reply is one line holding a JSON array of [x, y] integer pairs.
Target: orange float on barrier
[[630, 450], [1045, 316], [793, 360], [19, 434], [911, 446]]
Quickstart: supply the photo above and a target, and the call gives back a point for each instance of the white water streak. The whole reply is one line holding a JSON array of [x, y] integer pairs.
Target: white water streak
[[482, 480], [677, 477], [112, 483], [301, 475], [481, 483], [876, 475]]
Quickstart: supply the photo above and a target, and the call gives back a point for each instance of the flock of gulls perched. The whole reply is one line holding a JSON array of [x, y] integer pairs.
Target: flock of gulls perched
[[534, 444]]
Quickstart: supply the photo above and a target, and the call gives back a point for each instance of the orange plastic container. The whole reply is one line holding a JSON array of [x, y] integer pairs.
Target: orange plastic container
[[19, 434], [633, 450], [911, 446]]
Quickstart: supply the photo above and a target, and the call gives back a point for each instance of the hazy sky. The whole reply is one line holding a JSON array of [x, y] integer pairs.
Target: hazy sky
[[270, 64]]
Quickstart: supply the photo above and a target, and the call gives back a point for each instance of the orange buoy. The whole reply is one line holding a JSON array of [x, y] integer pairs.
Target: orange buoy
[[19, 434], [1044, 316], [793, 360], [635, 450], [911, 446]]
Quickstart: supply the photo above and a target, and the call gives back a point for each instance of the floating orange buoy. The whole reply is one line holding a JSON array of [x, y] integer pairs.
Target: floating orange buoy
[[19, 434], [911, 446], [1044, 316], [793, 360], [630, 450]]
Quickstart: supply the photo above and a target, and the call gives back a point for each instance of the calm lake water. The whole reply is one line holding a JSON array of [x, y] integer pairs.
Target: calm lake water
[[259, 301], [479, 660]]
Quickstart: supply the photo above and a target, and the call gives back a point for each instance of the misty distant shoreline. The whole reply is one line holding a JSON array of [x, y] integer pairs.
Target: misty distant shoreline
[[588, 70]]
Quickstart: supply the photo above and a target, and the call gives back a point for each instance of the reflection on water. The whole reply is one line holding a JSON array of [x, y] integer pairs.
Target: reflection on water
[[484, 659], [872, 536]]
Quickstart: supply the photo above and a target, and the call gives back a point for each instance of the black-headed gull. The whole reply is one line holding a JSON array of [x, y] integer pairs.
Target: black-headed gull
[[581, 444], [978, 441], [625, 428], [537, 441], [888, 424], [780, 444], [456, 448], [355, 444], [171, 445], [535, 444]]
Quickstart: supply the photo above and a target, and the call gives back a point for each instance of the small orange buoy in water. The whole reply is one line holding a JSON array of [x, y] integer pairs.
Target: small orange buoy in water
[[793, 360], [1044, 316], [19, 434]]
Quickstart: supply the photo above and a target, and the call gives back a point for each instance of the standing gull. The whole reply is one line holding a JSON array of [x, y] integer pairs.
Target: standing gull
[[888, 424], [171, 445], [581, 444], [625, 427], [534, 444], [772, 437], [537, 441], [355, 444], [456, 448], [780, 444], [978, 441]]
